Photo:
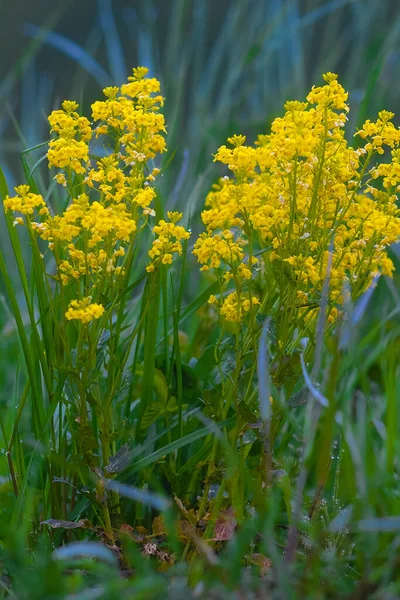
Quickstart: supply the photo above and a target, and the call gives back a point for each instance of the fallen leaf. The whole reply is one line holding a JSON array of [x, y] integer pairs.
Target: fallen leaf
[[158, 527], [261, 561], [225, 527], [142, 530], [185, 530], [125, 528]]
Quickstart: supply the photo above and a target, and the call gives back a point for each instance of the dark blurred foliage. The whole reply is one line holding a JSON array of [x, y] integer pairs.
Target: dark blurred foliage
[[77, 20]]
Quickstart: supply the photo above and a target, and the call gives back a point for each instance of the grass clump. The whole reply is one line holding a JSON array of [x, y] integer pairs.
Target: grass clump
[[248, 451]]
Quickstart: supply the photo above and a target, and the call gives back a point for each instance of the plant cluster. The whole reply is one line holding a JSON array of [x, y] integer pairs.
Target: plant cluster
[[115, 387], [300, 199]]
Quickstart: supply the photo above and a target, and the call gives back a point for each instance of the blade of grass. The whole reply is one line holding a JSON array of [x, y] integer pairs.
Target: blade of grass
[[172, 447], [150, 342]]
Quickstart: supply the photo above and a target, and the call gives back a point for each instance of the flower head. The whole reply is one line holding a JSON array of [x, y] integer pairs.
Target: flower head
[[84, 310]]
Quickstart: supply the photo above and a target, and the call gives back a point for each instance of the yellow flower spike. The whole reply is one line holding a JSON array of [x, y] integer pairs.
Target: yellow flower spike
[[385, 116], [60, 178], [130, 113], [244, 271], [168, 241], [237, 140], [329, 77], [211, 250], [174, 217], [25, 202], [70, 106], [111, 92], [167, 259], [139, 72], [84, 310], [69, 149], [235, 307], [144, 197], [271, 196], [331, 95]]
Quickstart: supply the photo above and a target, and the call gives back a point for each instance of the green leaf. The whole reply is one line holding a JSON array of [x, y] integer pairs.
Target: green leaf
[[16, 246], [194, 306], [175, 445], [28, 175], [150, 342], [205, 363], [151, 414], [161, 386]]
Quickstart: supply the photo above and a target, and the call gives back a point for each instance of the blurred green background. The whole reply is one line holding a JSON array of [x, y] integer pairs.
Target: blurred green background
[[225, 65]]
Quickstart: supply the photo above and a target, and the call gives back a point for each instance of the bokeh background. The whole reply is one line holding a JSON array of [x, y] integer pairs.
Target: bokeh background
[[225, 65]]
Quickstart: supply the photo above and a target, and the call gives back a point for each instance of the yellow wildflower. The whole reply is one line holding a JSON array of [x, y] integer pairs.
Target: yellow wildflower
[[69, 149], [168, 241], [84, 310], [298, 191], [234, 307], [25, 201]]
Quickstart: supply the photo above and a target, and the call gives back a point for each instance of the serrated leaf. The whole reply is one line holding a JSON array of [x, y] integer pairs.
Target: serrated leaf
[[205, 363], [119, 461], [300, 399], [151, 414]]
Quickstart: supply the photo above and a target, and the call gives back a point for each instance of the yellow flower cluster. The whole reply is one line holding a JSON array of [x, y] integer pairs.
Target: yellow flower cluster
[[102, 228], [380, 134], [168, 241], [92, 240], [234, 307], [84, 310], [211, 251], [130, 114], [70, 148], [296, 193], [25, 202]]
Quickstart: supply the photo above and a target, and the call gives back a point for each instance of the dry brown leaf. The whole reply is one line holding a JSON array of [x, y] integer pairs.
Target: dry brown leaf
[[125, 528], [142, 530], [261, 561], [158, 526], [225, 526]]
